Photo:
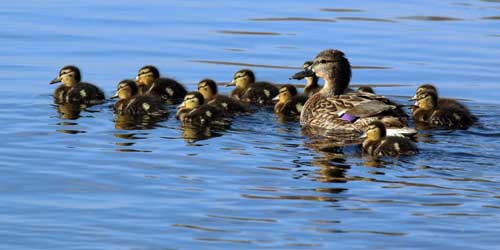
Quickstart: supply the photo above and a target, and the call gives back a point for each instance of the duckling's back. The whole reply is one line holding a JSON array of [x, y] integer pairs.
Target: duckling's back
[[394, 146], [229, 105], [260, 93], [204, 115], [169, 90], [140, 105], [83, 93]]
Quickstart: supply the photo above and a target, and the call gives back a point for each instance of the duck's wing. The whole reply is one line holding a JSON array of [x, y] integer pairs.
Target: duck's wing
[[325, 113]]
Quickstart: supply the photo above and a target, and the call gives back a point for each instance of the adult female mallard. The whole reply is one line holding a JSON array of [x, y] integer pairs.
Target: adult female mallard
[[432, 113], [338, 109], [249, 91], [208, 88], [149, 82], [73, 90]]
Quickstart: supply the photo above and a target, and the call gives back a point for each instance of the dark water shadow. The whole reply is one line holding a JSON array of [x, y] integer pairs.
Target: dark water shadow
[[276, 66], [340, 10], [130, 122], [491, 18], [253, 33], [192, 134], [366, 19], [431, 18]]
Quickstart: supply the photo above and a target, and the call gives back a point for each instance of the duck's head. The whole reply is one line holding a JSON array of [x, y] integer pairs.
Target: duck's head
[[147, 75], [331, 65], [427, 100], [422, 89], [286, 93], [208, 88], [242, 79], [376, 131], [68, 75], [126, 89], [192, 100], [366, 89]]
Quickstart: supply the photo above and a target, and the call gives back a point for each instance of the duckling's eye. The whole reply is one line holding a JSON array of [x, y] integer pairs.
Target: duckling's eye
[[322, 61]]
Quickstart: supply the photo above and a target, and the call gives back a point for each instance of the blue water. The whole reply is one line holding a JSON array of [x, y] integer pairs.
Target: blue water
[[261, 184]]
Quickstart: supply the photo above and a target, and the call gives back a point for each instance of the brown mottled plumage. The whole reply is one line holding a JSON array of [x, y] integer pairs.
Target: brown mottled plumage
[[249, 91], [378, 144], [131, 103], [334, 107], [73, 90], [208, 88], [430, 113], [169, 90]]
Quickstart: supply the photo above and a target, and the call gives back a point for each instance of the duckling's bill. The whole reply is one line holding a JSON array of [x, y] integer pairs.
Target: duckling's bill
[[55, 80]]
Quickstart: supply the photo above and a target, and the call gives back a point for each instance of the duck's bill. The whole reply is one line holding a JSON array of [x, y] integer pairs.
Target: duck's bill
[[232, 83], [276, 98], [182, 105], [363, 136], [302, 74], [413, 98], [115, 96], [56, 80]]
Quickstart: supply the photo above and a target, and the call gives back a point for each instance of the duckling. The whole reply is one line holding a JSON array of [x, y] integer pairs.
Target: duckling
[[377, 143], [366, 89], [73, 90], [208, 88], [249, 91], [335, 107], [289, 103], [131, 103], [193, 111], [430, 112], [312, 81], [169, 90], [442, 102]]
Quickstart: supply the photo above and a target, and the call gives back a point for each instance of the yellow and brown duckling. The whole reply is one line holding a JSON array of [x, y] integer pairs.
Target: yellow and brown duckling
[[73, 90], [169, 90], [377, 143], [208, 88], [131, 103], [442, 102], [312, 80], [193, 111], [336, 108], [429, 112], [366, 89], [289, 103], [249, 91]]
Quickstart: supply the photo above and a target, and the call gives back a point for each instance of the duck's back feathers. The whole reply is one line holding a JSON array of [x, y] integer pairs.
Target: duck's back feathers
[[395, 146], [169, 90], [82, 93], [140, 105], [204, 115], [229, 105], [259, 93]]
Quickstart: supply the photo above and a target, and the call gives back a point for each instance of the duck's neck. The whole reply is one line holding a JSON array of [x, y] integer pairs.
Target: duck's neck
[[312, 83], [333, 87]]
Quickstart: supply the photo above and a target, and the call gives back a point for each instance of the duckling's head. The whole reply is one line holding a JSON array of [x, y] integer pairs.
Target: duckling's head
[[366, 89], [192, 100], [286, 93], [147, 75], [243, 79], [376, 131], [208, 88], [422, 89], [427, 100], [68, 75], [126, 89]]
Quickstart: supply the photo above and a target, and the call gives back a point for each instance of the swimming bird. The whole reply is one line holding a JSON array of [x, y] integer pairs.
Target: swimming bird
[[337, 108], [249, 91], [289, 103], [131, 103], [73, 90], [169, 90], [442, 102], [193, 111], [366, 89], [429, 111], [377, 143], [208, 88], [312, 81]]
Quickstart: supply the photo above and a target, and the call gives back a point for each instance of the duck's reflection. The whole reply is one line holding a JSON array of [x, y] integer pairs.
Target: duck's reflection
[[131, 122], [69, 111], [192, 134]]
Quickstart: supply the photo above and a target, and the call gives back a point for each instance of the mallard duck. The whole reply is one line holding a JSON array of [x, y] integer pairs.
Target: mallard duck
[[377, 143], [208, 88], [169, 90], [312, 81], [429, 111], [366, 89], [341, 110], [249, 91], [73, 90], [193, 111], [289, 103], [131, 103]]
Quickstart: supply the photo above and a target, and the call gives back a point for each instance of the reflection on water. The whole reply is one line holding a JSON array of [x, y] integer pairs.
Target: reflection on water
[[83, 178]]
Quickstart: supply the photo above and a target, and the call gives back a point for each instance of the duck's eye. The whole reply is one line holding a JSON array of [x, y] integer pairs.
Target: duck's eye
[[322, 61]]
